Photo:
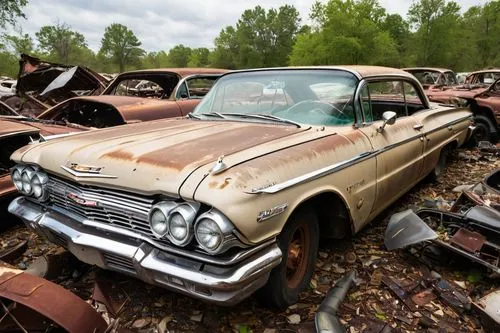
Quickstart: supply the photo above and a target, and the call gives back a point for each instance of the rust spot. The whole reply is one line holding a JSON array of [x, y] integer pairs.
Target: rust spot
[[203, 150], [119, 155]]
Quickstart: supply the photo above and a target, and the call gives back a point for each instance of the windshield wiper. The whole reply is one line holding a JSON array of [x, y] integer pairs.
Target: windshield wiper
[[263, 117], [192, 116]]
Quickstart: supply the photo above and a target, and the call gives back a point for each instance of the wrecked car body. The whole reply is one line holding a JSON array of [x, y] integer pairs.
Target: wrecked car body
[[485, 193], [433, 79], [232, 198], [474, 235], [138, 96], [42, 84]]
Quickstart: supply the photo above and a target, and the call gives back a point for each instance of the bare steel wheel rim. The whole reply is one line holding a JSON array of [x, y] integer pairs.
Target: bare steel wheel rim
[[298, 254]]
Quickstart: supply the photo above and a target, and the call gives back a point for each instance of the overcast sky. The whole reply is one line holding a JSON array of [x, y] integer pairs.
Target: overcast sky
[[161, 24]]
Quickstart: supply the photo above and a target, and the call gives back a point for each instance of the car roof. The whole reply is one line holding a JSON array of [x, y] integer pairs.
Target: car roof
[[361, 71], [430, 69], [182, 72], [491, 70]]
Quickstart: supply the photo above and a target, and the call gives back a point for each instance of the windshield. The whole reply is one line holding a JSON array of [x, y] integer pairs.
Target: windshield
[[314, 97], [426, 77]]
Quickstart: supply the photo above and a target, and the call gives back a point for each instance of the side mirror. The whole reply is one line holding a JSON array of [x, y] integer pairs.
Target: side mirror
[[184, 95], [389, 118]]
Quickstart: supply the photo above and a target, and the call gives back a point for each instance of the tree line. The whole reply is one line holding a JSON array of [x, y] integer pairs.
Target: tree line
[[436, 33]]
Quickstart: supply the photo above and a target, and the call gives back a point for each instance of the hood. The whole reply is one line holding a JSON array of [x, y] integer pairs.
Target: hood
[[458, 92], [47, 81], [152, 157]]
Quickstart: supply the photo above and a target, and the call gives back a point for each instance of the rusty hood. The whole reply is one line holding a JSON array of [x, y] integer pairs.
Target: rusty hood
[[152, 157]]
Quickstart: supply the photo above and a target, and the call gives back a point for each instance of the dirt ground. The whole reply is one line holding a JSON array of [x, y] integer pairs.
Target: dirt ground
[[369, 306]]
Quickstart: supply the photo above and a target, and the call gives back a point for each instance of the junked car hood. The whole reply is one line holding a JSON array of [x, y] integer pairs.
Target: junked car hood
[[151, 157]]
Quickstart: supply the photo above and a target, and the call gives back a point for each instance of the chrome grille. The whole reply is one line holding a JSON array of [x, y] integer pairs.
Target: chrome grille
[[115, 208]]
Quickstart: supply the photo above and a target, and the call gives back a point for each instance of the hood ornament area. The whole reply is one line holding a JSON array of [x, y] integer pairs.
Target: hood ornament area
[[85, 171], [219, 166]]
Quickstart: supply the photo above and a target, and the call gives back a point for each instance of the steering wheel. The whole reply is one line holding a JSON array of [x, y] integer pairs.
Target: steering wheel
[[315, 106]]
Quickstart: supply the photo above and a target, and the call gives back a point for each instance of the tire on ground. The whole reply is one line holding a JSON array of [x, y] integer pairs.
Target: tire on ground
[[298, 242]]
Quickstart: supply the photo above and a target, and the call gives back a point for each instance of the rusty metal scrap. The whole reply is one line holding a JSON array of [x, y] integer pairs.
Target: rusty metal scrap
[[396, 288], [488, 308], [29, 303], [107, 292]]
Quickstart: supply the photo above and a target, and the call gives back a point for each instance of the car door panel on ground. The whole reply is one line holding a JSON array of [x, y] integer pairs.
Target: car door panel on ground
[[397, 148]]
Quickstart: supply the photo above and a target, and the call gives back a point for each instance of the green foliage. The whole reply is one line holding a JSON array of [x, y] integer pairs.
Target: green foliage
[[59, 43], [10, 10], [260, 39], [434, 33], [179, 56], [348, 32], [121, 46]]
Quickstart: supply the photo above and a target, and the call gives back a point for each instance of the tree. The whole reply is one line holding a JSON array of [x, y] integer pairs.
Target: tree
[[199, 57], [437, 24], [60, 42], [20, 43], [179, 56], [346, 32], [121, 45], [260, 39], [10, 10]]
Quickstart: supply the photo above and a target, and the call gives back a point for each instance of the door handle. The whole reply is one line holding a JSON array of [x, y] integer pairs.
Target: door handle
[[418, 127]]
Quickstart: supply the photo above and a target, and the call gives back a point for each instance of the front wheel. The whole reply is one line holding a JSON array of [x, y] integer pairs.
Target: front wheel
[[298, 242], [483, 128]]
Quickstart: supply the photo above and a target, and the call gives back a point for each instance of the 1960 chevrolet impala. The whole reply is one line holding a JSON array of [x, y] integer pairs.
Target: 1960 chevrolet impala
[[233, 198]]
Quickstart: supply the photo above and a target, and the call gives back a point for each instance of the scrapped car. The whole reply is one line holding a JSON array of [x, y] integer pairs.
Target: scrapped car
[[233, 197], [433, 78], [138, 96], [484, 101], [6, 87], [42, 84]]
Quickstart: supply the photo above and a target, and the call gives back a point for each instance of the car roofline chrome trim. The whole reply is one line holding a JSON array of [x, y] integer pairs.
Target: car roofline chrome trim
[[344, 164]]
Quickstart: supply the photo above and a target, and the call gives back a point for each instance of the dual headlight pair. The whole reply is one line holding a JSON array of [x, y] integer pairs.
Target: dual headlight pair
[[178, 223], [30, 181]]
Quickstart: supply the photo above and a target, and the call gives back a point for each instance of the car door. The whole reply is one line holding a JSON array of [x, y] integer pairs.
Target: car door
[[192, 89], [398, 147]]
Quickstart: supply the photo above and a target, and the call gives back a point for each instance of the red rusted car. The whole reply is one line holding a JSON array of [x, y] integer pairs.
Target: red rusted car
[[138, 96]]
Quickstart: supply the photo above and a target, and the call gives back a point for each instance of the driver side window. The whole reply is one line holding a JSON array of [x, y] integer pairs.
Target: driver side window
[[381, 96]]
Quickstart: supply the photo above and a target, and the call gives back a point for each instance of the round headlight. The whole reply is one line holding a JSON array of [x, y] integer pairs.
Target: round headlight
[[26, 180], [158, 222], [178, 229], [208, 234], [16, 178], [36, 187], [158, 218]]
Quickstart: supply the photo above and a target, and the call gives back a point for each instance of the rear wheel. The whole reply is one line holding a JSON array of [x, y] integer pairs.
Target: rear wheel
[[298, 242]]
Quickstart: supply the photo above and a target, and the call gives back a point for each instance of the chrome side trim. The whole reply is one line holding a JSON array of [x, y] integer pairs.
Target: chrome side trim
[[314, 175], [344, 164], [85, 175]]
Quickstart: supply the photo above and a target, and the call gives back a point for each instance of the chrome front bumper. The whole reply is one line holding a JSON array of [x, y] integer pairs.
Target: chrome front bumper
[[224, 285]]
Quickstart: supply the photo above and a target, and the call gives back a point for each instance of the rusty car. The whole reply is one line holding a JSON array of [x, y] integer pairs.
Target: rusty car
[[42, 84], [138, 96], [433, 78], [232, 199]]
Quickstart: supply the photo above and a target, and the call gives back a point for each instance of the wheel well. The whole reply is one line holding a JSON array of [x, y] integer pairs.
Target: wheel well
[[333, 216], [485, 112]]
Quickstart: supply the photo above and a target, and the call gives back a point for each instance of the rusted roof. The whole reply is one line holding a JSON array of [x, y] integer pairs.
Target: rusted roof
[[429, 69], [491, 70], [182, 72]]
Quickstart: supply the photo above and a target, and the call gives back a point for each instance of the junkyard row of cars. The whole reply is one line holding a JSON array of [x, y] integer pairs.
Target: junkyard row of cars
[[230, 195]]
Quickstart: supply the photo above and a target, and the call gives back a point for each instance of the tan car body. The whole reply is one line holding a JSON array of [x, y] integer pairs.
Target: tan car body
[[368, 170]]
